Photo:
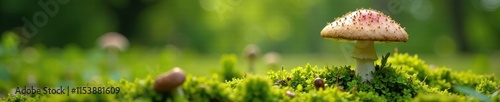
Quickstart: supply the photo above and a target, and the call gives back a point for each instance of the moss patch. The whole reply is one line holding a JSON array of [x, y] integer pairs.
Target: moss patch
[[401, 77]]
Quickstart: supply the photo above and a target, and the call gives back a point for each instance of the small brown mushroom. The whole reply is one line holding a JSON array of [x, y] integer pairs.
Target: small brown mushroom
[[272, 59], [112, 41], [251, 52], [169, 81], [290, 94], [319, 83]]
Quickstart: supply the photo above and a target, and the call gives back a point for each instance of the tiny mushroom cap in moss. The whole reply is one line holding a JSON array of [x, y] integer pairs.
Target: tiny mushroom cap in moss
[[251, 52], [272, 58], [290, 94], [365, 26], [113, 40], [319, 83], [170, 80]]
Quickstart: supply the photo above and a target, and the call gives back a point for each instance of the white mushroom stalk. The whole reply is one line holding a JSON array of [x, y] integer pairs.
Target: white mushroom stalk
[[365, 55], [113, 42], [365, 26], [251, 52]]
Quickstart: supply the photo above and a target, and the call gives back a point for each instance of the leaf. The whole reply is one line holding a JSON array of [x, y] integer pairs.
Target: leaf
[[495, 93], [352, 83], [384, 59], [472, 92]]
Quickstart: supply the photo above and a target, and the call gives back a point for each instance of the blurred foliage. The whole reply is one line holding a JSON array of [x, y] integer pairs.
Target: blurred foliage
[[228, 67], [219, 26], [216, 27]]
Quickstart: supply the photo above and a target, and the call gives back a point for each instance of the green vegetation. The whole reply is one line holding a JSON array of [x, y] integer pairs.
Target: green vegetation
[[452, 52], [401, 77]]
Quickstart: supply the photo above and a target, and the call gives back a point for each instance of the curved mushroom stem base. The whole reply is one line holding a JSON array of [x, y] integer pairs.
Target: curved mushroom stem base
[[365, 68], [179, 91], [251, 68]]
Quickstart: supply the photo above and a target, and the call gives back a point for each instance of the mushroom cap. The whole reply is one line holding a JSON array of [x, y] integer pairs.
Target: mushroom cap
[[272, 57], [319, 83], [113, 40], [251, 51], [367, 25], [290, 94], [170, 80]]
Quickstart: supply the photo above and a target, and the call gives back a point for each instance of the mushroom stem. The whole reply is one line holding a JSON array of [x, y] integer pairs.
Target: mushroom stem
[[112, 58], [364, 50], [180, 92], [365, 67], [365, 55], [251, 66]]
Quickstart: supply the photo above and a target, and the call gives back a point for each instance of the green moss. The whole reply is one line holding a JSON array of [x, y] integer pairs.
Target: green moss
[[328, 95], [444, 78], [19, 98], [10, 43], [398, 78], [369, 97], [201, 89], [442, 98], [392, 83], [228, 65], [487, 87], [255, 89]]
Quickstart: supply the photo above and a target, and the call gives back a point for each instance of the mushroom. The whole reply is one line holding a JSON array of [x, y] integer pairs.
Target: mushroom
[[251, 52], [272, 59], [113, 42], [319, 83], [365, 26], [170, 81], [290, 94]]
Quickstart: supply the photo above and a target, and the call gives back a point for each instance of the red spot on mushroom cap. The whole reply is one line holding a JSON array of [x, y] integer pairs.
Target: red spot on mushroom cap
[[369, 17]]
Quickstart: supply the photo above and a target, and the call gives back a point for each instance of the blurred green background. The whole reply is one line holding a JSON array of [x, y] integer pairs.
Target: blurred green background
[[193, 34]]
